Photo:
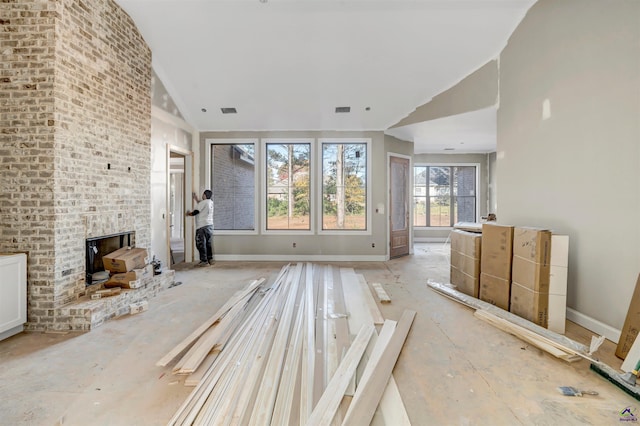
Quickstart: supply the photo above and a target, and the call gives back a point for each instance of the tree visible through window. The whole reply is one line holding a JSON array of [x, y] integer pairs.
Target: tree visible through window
[[344, 186], [288, 186], [444, 195], [233, 186]]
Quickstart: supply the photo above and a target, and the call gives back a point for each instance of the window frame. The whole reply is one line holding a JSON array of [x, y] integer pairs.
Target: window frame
[[319, 184], [477, 196], [264, 183], [209, 142]]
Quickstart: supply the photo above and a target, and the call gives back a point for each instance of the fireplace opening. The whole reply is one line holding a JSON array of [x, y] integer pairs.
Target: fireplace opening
[[97, 247]]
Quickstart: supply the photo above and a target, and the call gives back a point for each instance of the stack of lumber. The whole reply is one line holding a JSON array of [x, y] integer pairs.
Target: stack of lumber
[[299, 349]]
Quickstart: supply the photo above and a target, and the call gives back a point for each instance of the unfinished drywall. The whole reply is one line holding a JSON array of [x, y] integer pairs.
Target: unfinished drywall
[[568, 154], [477, 91]]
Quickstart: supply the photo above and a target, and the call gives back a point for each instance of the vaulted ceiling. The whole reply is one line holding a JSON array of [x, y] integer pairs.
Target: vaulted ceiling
[[288, 64]]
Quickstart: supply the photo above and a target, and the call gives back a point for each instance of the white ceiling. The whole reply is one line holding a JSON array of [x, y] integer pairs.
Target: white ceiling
[[287, 64]]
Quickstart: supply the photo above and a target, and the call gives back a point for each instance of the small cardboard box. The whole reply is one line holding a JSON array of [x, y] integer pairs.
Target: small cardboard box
[[497, 250], [131, 279], [468, 243], [125, 259], [532, 275], [530, 305], [631, 325], [495, 290], [465, 283]]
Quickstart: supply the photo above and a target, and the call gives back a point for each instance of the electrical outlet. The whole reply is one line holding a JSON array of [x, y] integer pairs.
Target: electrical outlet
[[294, 245], [373, 245]]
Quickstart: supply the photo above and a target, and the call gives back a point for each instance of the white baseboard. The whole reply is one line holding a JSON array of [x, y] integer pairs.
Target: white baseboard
[[300, 258], [594, 325], [430, 239]]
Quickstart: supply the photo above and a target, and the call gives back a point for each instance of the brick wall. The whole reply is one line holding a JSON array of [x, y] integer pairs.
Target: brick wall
[[76, 116]]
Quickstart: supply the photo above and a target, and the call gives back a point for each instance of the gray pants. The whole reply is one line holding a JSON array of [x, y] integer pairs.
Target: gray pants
[[204, 242]]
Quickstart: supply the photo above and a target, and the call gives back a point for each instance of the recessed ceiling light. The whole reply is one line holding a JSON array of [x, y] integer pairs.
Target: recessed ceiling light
[[228, 110], [367, 109], [449, 149], [203, 110], [343, 109]]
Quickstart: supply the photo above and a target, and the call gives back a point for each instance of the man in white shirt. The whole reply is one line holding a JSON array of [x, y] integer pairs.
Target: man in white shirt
[[204, 227]]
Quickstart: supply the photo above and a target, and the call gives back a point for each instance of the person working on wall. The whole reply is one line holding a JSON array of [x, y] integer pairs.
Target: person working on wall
[[204, 227]]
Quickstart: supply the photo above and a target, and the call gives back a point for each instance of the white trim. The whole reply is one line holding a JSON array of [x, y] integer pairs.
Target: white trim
[[256, 179], [369, 208], [301, 258], [594, 325], [263, 186], [430, 239]]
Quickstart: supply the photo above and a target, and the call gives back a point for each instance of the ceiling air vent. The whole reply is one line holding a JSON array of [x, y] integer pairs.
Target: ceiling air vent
[[342, 109], [229, 110]]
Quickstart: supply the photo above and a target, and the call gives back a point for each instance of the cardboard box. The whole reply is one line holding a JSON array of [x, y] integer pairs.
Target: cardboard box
[[631, 324], [466, 242], [495, 290], [467, 264], [131, 279], [533, 244], [532, 275], [465, 283], [125, 259], [530, 305], [496, 250]]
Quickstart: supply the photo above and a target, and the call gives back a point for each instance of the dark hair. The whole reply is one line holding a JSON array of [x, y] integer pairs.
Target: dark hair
[[208, 193]]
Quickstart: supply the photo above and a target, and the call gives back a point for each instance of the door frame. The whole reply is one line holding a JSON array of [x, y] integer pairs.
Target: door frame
[[188, 184], [409, 197]]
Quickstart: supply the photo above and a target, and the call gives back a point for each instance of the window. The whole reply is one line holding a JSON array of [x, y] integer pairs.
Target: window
[[288, 203], [444, 195], [233, 183], [344, 186]]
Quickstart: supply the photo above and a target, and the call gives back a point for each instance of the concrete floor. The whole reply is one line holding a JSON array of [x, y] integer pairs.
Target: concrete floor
[[454, 369]]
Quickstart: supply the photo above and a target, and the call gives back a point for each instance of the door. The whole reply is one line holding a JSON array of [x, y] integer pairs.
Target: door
[[176, 207], [399, 206]]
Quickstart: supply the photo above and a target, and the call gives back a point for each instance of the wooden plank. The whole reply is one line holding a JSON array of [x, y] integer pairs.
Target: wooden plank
[[368, 299], [377, 374], [194, 378], [382, 294], [308, 349], [474, 303], [327, 406], [536, 340], [267, 392], [285, 397], [252, 287]]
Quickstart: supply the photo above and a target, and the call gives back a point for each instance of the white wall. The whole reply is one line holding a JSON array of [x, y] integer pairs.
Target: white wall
[[165, 130], [577, 172]]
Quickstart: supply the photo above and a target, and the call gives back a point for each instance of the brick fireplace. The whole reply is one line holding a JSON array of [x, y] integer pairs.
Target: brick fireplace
[[75, 84]]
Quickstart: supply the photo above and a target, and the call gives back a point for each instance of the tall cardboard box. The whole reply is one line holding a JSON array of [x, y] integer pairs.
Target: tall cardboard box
[[530, 305], [631, 325], [465, 261], [495, 264], [494, 290], [531, 258], [496, 250], [125, 259]]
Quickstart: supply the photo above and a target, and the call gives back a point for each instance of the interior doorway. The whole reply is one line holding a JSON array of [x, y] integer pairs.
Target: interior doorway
[[177, 191]]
